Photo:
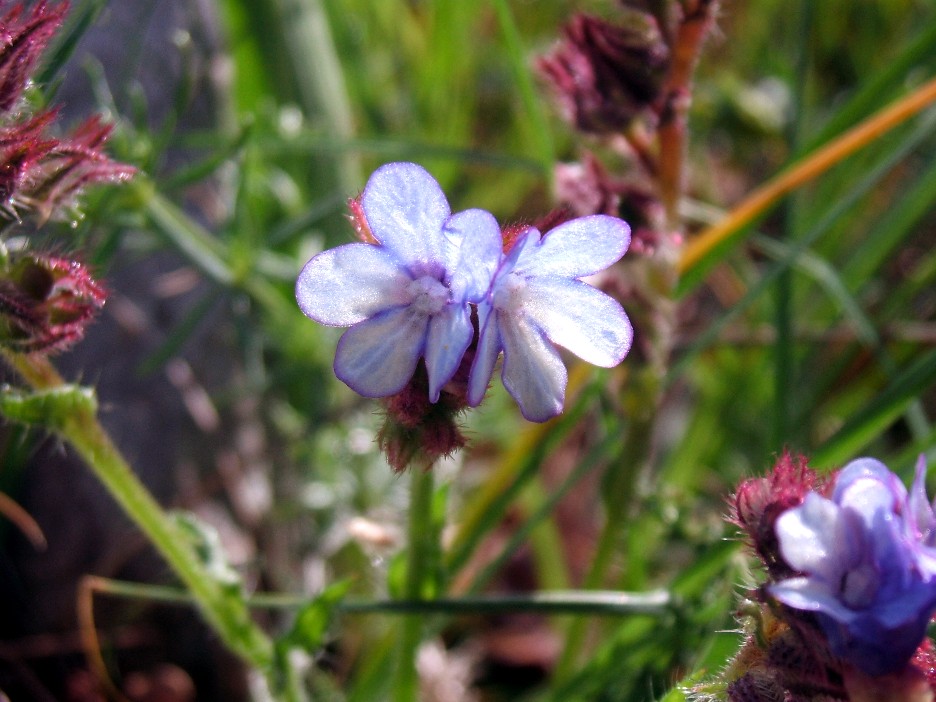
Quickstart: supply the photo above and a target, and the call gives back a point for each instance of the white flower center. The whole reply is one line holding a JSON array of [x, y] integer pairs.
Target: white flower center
[[508, 293], [859, 586], [428, 294]]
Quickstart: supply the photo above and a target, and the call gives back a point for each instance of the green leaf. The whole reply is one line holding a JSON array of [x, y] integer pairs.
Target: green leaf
[[312, 621], [206, 542]]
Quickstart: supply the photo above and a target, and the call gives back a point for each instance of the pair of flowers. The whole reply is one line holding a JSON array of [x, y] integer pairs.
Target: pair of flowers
[[410, 295], [865, 563]]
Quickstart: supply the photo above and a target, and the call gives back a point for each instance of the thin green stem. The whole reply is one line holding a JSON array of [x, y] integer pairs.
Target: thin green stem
[[783, 303], [596, 603], [422, 543], [319, 78]]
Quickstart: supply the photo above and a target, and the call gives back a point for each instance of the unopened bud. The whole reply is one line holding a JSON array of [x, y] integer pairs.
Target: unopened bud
[[46, 302], [605, 74]]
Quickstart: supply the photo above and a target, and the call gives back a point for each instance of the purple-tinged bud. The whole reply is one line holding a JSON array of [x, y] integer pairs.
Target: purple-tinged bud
[[605, 74], [46, 302], [23, 37]]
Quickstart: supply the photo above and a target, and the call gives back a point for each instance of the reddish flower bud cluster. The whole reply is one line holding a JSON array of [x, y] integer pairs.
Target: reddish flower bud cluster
[[45, 302], [23, 38], [610, 80], [759, 501], [605, 74], [419, 432], [38, 171]]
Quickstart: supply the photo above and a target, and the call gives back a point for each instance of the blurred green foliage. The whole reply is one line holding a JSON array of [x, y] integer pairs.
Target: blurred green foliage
[[323, 91]]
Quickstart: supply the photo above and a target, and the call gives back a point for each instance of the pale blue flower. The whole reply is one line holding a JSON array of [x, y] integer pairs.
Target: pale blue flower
[[536, 300], [408, 296], [863, 567]]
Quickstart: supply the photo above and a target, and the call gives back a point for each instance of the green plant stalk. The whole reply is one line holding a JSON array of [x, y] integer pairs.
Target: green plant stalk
[[538, 125], [227, 615], [422, 541], [609, 603], [783, 292]]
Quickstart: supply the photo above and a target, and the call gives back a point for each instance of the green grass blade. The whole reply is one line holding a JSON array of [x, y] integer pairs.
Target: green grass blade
[[537, 124], [868, 424]]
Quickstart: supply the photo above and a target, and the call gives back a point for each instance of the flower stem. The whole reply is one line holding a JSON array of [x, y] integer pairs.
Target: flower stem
[[422, 542], [690, 33], [226, 614]]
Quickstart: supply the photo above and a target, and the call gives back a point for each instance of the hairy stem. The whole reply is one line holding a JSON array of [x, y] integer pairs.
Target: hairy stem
[[422, 544]]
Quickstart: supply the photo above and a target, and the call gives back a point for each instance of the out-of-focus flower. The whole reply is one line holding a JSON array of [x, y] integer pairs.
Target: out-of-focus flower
[[406, 297], [605, 74], [861, 565], [46, 302], [23, 37], [537, 299]]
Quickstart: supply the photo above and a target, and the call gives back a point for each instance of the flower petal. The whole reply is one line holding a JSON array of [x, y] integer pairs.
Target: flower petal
[[377, 357], [812, 596], [533, 370], [578, 248], [920, 514], [871, 476], [348, 284], [489, 347], [450, 333], [815, 538], [478, 237], [580, 318], [405, 209]]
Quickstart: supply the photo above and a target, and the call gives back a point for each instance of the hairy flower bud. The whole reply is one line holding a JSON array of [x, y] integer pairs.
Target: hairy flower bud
[[23, 37], [755, 686], [604, 74], [46, 302], [73, 163], [38, 171], [22, 146], [758, 503], [417, 432]]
